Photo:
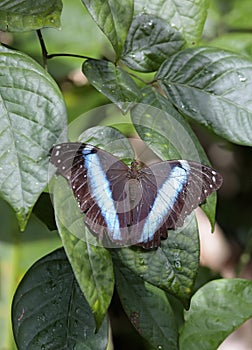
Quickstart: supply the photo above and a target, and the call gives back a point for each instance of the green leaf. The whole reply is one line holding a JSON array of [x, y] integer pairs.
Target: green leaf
[[32, 118], [169, 136], [171, 267], [187, 16], [148, 309], [149, 42], [212, 87], [114, 19], [217, 309], [112, 81], [22, 15], [49, 310], [92, 265]]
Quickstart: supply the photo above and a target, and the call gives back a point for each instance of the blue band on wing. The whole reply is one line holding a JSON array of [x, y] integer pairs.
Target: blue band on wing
[[100, 188], [166, 197]]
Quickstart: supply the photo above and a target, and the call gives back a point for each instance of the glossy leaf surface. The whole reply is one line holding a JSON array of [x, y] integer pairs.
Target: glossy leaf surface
[[25, 15], [212, 87], [148, 309], [112, 81], [149, 42], [113, 18], [50, 312], [187, 16], [217, 309], [171, 267], [32, 118]]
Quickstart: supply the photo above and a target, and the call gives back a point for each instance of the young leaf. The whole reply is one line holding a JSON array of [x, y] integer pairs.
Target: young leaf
[[148, 309], [187, 16], [33, 116], [114, 19], [112, 81], [172, 267], [217, 309], [213, 87], [29, 15], [168, 134], [149, 42], [50, 312]]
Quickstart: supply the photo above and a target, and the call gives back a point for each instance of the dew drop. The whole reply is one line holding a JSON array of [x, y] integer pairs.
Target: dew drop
[[151, 24], [85, 332], [242, 78], [177, 262], [141, 261]]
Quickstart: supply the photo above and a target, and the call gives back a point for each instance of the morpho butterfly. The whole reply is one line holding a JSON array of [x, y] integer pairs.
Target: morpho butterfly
[[133, 205]]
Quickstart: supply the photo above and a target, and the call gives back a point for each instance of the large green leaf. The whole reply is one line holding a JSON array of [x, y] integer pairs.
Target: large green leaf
[[92, 265], [168, 134], [21, 15], [187, 16], [171, 267], [214, 88], [149, 42], [114, 19], [32, 117], [50, 312], [17, 253], [112, 81], [148, 309], [217, 309]]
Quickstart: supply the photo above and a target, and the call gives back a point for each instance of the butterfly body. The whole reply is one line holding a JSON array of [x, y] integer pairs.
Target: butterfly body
[[136, 204]]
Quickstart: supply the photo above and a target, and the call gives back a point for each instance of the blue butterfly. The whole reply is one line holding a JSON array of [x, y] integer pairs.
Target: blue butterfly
[[133, 205]]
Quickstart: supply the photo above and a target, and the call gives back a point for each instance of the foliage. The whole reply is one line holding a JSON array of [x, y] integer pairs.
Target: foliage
[[155, 60]]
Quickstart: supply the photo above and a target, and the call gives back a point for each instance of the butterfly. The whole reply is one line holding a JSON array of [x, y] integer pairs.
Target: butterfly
[[133, 205]]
